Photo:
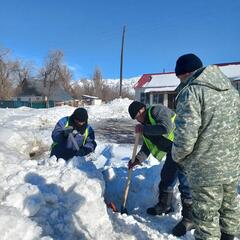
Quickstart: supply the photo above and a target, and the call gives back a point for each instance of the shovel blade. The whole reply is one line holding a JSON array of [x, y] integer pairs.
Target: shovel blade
[[112, 206]]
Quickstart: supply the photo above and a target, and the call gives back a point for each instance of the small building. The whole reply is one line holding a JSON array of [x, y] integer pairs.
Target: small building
[[91, 100], [156, 88], [31, 96]]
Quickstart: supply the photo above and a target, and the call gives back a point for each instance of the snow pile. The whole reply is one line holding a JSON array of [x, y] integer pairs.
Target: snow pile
[[117, 108], [42, 198]]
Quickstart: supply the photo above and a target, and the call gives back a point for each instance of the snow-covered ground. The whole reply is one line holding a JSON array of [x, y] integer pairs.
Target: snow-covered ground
[[45, 199]]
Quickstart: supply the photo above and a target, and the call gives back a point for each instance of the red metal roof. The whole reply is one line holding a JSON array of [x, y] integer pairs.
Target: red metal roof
[[146, 77]]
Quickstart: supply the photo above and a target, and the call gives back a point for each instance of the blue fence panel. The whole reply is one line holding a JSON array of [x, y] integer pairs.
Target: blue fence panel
[[16, 104]]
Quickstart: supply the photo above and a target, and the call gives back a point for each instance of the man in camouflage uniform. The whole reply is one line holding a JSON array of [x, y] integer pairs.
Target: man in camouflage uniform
[[207, 145]]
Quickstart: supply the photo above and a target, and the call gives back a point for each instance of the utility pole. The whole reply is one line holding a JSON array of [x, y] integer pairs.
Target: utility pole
[[121, 61]]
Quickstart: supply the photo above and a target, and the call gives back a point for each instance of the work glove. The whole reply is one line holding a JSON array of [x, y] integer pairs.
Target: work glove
[[139, 128], [133, 164], [75, 132], [67, 130], [141, 156]]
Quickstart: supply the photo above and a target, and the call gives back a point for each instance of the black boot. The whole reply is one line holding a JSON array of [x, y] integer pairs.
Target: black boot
[[186, 223], [225, 236], [182, 227], [164, 206]]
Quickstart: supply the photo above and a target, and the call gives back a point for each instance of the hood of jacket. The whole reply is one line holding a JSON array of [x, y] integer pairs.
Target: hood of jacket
[[210, 76]]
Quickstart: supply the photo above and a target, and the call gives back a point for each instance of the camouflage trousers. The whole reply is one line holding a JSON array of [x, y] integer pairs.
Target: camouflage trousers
[[216, 209]]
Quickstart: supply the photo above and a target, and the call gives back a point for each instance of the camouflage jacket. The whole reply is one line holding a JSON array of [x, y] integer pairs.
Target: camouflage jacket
[[207, 135]]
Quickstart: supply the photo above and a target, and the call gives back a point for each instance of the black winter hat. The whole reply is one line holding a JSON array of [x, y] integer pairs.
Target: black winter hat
[[187, 63], [134, 107], [80, 114]]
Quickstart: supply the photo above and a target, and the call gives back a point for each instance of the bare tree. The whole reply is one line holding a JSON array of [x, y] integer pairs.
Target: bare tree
[[4, 52], [97, 82], [6, 69], [109, 93], [76, 91], [112, 92], [22, 76], [65, 76], [6, 88], [88, 88], [54, 74]]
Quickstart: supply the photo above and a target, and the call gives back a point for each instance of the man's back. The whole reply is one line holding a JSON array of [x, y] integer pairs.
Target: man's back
[[214, 115]]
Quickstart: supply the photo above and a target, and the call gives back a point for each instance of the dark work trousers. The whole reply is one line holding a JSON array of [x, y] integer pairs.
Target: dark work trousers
[[170, 173]]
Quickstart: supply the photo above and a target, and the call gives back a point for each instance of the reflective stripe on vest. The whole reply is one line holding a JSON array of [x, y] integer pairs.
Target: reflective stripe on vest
[[153, 148], [84, 139]]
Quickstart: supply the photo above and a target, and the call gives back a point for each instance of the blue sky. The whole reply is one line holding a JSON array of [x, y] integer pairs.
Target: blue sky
[[89, 33]]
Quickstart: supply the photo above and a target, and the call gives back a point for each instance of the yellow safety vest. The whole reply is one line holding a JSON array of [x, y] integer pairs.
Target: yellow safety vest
[[85, 135], [158, 154]]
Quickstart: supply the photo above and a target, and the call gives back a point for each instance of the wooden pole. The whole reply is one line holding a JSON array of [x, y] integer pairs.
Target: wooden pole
[[121, 61], [125, 194]]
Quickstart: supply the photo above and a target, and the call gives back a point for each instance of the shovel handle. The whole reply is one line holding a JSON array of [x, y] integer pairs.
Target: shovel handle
[[125, 195], [74, 141]]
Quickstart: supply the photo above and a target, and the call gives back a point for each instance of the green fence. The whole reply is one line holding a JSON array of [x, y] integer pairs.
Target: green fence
[[16, 104]]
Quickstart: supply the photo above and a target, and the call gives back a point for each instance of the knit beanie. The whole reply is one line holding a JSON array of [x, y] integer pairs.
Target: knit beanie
[[80, 114], [134, 107], [187, 63]]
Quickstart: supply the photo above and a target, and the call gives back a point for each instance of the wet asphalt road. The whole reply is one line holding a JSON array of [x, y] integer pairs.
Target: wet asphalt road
[[115, 130]]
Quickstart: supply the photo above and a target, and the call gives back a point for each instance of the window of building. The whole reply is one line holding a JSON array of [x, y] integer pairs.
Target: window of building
[[145, 98], [171, 101], [142, 97], [157, 98]]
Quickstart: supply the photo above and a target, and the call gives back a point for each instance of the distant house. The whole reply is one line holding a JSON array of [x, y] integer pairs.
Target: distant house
[[28, 101], [31, 94], [29, 98], [60, 95], [91, 100], [156, 88]]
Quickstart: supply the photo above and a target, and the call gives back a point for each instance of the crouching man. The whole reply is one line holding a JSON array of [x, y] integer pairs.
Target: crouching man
[[72, 136]]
